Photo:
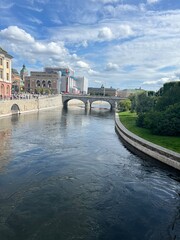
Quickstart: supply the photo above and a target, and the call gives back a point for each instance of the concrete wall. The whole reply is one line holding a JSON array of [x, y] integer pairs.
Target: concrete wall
[[139, 145], [28, 105]]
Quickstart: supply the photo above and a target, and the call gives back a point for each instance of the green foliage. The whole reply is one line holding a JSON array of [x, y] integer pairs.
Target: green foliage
[[170, 95], [165, 122], [124, 105], [129, 121], [141, 102], [160, 113], [133, 99]]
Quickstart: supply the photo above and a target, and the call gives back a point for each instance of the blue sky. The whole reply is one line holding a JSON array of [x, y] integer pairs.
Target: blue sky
[[118, 43]]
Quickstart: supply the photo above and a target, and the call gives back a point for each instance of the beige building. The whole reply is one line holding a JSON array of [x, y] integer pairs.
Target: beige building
[[42, 82], [5, 74], [102, 91]]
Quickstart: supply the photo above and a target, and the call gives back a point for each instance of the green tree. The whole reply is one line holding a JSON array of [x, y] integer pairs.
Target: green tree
[[124, 105], [144, 103], [160, 114]]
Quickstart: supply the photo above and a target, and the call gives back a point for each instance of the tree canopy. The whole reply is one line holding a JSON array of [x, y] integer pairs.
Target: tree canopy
[[160, 112]]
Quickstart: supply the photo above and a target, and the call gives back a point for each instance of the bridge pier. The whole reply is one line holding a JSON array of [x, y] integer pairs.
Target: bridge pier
[[87, 105]]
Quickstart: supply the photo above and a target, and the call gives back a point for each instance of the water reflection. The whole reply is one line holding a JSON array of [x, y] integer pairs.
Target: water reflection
[[68, 176]]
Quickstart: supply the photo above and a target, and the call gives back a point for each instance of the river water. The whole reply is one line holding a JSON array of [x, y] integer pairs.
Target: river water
[[66, 175]]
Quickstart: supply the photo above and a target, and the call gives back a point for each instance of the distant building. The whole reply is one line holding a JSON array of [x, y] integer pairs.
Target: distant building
[[102, 91], [68, 83], [16, 81], [75, 85], [127, 92], [55, 80], [42, 82], [5, 74]]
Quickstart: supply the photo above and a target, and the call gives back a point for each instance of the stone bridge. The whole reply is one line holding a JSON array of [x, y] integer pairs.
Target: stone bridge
[[88, 99]]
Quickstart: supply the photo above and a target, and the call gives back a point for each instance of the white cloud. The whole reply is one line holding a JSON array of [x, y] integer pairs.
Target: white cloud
[[92, 72], [85, 43], [74, 57], [82, 64], [13, 33], [152, 1], [161, 81], [111, 67], [85, 35], [116, 11], [35, 20], [105, 33], [123, 31], [31, 50]]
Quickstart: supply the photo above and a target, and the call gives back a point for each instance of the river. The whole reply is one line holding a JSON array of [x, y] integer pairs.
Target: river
[[66, 175]]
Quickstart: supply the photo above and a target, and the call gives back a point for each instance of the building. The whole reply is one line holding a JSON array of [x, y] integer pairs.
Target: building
[[68, 83], [74, 85], [42, 82], [5, 74], [16, 81], [55, 80], [102, 91]]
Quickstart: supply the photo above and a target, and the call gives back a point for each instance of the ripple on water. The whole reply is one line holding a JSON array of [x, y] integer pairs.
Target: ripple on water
[[69, 177]]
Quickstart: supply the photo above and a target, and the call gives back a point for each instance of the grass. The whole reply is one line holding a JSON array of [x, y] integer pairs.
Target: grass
[[129, 121]]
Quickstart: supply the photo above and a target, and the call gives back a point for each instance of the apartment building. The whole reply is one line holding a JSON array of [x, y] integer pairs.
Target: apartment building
[[5, 74]]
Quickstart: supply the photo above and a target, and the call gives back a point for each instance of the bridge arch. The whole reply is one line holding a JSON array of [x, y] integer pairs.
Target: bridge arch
[[67, 101], [102, 102], [15, 109]]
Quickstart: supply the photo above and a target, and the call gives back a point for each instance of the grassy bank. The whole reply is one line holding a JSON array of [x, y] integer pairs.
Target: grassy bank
[[129, 121]]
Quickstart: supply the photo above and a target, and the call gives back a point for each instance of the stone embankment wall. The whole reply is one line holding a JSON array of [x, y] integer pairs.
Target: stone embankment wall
[[141, 146], [28, 105]]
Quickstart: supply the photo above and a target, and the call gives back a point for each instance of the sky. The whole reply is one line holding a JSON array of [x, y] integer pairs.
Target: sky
[[124, 44]]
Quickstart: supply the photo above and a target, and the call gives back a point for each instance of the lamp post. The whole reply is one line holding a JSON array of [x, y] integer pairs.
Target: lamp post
[[103, 87]]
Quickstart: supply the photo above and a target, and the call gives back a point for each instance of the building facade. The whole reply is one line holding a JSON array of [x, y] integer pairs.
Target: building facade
[[16, 81], [42, 82], [5, 74], [102, 91]]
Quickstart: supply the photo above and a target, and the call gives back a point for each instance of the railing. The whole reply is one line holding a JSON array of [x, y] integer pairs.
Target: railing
[[25, 96]]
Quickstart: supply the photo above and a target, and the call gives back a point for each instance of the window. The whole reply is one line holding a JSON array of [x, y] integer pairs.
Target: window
[[38, 83], [7, 90], [7, 76], [1, 61], [49, 84], [43, 83], [7, 64], [1, 74]]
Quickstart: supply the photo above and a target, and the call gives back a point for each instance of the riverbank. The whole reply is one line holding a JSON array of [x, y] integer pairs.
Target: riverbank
[[141, 146], [128, 119], [9, 107]]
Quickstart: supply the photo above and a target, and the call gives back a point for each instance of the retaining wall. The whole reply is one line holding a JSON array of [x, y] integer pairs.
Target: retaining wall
[[28, 105], [137, 144]]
